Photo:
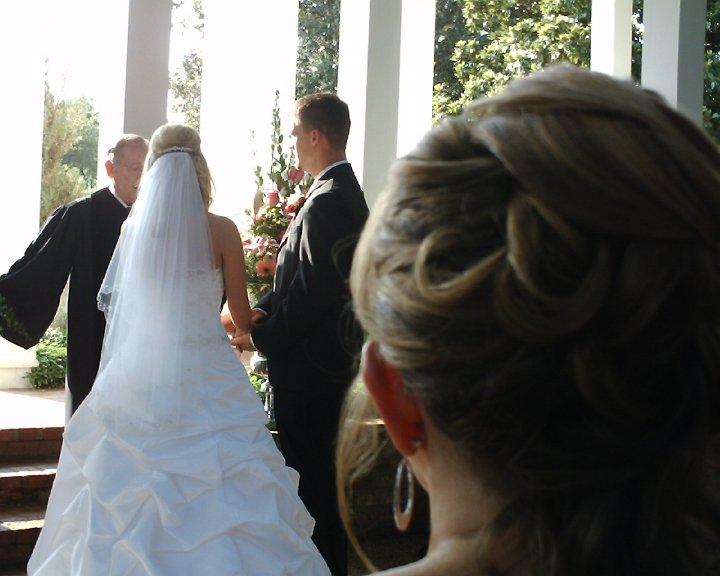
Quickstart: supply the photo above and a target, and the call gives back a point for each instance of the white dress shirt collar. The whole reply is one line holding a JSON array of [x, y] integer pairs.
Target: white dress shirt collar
[[326, 170]]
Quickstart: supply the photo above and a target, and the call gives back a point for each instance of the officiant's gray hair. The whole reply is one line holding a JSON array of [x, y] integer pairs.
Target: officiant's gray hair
[[124, 141]]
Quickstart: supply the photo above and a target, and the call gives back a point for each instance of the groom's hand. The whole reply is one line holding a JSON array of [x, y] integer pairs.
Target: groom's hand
[[257, 316]]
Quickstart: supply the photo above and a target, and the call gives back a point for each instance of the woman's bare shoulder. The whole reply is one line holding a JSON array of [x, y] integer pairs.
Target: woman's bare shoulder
[[222, 225], [220, 221]]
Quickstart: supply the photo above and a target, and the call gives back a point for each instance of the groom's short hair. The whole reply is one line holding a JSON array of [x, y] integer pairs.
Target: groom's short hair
[[325, 112]]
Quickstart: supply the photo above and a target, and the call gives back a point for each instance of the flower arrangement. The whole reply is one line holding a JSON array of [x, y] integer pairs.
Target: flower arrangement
[[280, 194]]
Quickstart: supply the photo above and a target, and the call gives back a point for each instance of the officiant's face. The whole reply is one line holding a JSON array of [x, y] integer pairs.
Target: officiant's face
[[127, 168]]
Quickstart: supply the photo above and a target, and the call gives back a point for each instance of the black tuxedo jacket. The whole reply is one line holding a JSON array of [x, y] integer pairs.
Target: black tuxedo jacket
[[311, 338]]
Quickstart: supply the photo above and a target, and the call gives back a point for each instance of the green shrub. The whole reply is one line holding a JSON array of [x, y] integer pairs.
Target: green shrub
[[51, 354]]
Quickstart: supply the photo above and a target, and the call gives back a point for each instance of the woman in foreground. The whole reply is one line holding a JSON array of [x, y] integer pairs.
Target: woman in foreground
[[540, 282], [167, 467]]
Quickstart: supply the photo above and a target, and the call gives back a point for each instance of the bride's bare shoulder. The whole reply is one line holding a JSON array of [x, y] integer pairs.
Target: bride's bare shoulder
[[217, 220], [221, 224]]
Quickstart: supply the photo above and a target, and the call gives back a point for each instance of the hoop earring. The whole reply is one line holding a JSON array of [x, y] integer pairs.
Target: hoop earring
[[403, 516]]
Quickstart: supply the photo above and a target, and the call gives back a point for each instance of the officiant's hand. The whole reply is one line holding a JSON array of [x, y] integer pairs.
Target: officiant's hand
[[242, 342]]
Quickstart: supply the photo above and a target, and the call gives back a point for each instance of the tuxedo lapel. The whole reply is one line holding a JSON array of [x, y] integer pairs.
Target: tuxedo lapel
[[327, 178], [315, 185]]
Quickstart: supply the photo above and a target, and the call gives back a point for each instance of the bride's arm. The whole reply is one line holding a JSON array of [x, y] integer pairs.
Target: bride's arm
[[233, 264]]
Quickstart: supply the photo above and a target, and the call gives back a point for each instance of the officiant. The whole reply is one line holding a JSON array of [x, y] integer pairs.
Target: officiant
[[77, 241]]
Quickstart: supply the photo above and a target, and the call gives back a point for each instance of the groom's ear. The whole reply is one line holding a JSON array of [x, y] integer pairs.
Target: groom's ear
[[397, 407]]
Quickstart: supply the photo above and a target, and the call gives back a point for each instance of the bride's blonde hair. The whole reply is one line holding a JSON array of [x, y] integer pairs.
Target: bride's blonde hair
[[171, 137]]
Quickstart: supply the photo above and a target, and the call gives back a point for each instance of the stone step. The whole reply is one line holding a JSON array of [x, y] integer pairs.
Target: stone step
[[30, 443], [26, 482], [19, 530]]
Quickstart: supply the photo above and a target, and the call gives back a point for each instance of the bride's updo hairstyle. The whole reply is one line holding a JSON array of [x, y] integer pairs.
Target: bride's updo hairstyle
[[544, 271], [174, 137]]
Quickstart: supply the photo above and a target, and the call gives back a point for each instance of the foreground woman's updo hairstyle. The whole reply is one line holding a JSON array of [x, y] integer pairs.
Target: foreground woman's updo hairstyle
[[544, 273]]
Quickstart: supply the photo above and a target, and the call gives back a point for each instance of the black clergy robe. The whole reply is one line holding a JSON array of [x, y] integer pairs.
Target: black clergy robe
[[78, 241]]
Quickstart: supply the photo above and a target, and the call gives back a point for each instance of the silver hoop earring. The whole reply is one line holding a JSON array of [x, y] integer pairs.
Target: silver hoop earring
[[403, 516]]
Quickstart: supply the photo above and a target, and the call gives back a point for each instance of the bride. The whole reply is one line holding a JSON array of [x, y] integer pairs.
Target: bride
[[167, 468]]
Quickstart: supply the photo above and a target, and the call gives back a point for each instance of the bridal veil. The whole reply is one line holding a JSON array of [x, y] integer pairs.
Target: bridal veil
[[147, 298]]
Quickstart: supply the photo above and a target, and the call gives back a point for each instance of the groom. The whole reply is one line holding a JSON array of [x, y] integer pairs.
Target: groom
[[305, 326]]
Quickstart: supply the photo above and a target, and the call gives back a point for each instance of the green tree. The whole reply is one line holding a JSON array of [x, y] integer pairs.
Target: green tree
[[83, 154], [503, 39], [185, 84], [449, 30], [318, 45], [495, 40], [66, 122], [711, 98], [479, 46]]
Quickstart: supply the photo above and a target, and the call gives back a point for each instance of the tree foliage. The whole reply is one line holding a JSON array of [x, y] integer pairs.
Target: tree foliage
[[318, 45], [495, 40], [185, 83], [449, 30], [83, 154], [501, 39], [479, 46], [711, 97], [70, 132]]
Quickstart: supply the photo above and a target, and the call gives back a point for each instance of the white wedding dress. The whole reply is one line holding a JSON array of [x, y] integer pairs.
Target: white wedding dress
[[212, 497], [168, 468]]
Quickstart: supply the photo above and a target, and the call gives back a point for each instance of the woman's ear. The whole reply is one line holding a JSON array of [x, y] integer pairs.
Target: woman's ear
[[398, 408]]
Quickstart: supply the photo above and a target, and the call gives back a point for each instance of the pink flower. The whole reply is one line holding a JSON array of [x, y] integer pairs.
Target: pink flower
[[293, 203], [295, 174], [260, 244], [265, 267], [273, 198]]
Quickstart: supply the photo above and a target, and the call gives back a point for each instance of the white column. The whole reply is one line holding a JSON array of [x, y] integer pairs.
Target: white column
[[21, 38], [369, 81], [250, 51], [611, 37], [673, 52], [148, 53], [111, 101], [385, 75], [137, 78], [417, 59]]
